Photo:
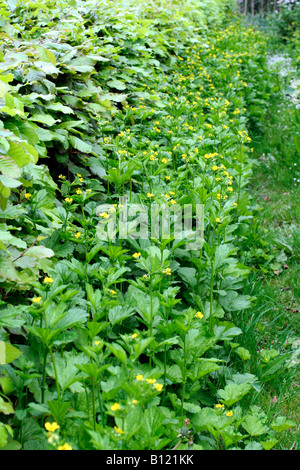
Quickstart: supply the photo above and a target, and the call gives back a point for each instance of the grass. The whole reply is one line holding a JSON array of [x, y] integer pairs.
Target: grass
[[274, 321]]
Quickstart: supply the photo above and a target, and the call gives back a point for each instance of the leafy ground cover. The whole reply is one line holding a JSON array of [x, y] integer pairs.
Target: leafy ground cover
[[136, 343]]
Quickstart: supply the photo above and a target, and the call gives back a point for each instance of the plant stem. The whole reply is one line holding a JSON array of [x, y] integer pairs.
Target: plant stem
[[184, 377], [43, 386], [211, 298], [151, 317], [94, 405]]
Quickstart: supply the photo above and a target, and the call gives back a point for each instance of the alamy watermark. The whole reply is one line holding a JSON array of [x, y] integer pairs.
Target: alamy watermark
[[158, 221]]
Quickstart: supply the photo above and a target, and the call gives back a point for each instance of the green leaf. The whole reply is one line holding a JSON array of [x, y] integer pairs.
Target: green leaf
[[40, 252], [80, 144], [207, 419], [7, 385], [118, 352], [18, 154], [204, 367], [254, 445], [131, 424], [60, 107], [232, 301], [119, 313], [3, 435], [8, 353], [58, 410], [116, 84], [243, 353], [9, 182], [188, 275], [267, 355], [174, 373], [45, 55], [233, 393], [254, 426], [44, 119], [5, 407], [268, 445], [281, 424], [9, 167]]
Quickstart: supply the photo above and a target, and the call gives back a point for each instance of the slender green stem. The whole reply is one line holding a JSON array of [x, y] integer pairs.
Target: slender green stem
[[101, 405], [87, 401], [43, 386], [94, 404], [151, 317], [211, 298], [184, 375]]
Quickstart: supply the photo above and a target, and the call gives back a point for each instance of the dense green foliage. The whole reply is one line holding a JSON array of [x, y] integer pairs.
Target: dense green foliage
[[128, 344]]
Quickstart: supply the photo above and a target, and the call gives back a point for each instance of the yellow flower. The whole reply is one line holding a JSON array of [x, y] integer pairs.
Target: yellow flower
[[51, 427], [79, 191], [199, 315], [135, 335], [134, 402], [229, 414], [230, 189], [79, 175], [151, 381], [61, 177], [115, 407], [96, 343], [28, 195], [150, 194], [104, 214], [136, 255], [78, 235], [65, 447], [139, 377], [219, 406], [164, 160], [168, 178], [158, 387], [173, 201], [48, 280], [68, 199], [118, 430], [36, 299], [167, 271], [113, 292], [218, 220]]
